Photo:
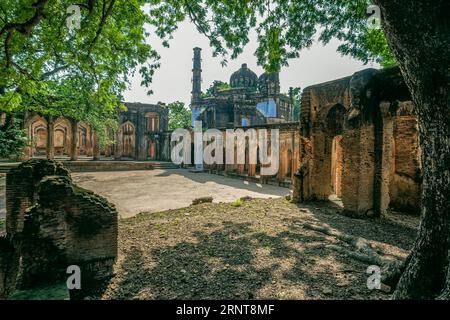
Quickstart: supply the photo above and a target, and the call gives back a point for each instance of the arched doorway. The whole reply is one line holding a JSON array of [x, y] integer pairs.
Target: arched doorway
[[62, 137], [129, 138], [151, 149], [40, 136], [334, 129], [37, 131], [336, 166]]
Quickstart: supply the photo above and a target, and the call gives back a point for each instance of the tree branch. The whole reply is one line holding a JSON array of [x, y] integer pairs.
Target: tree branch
[[105, 15], [24, 28], [52, 72]]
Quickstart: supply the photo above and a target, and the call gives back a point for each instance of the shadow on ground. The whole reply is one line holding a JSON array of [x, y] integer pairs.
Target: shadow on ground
[[219, 265], [391, 229]]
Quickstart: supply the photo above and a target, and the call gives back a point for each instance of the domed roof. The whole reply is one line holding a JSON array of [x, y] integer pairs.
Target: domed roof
[[274, 76], [244, 78], [269, 82]]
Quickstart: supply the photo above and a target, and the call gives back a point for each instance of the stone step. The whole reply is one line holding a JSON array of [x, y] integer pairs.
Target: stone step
[[86, 166]]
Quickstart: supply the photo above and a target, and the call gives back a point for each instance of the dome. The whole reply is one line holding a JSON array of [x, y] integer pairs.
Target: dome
[[269, 83], [244, 78]]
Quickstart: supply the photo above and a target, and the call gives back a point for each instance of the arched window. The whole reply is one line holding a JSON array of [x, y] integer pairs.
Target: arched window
[[152, 120]]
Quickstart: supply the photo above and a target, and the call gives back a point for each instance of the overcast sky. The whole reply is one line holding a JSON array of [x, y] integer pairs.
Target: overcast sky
[[172, 81]]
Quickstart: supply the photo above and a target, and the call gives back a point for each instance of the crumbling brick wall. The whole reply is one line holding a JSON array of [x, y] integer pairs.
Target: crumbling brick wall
[[7, 283], [379, 164], [21, 189], [66, 225]]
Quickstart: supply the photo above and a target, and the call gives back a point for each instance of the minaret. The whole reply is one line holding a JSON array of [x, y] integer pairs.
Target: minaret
[[196, 76]]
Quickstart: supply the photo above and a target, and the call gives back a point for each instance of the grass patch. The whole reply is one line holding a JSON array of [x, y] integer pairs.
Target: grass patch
[[237, 203], [55, 292]]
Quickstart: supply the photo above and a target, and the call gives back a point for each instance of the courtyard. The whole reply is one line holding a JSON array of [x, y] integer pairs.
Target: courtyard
[[158, 190], [250, 243]]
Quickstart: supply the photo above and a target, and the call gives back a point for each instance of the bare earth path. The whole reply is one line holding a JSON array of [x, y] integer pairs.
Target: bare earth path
[[157, 190], [260, 250]]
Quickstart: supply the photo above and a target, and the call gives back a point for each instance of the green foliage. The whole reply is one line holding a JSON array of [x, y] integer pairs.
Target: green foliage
[[179, 115], [217, 85], [54, 292], [79, 73], [237, 203], [295, 95], [12, 141], [82, 73], [284, 27]]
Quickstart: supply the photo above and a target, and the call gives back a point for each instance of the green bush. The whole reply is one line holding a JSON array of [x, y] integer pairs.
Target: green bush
[[12, 141], [237, 203]]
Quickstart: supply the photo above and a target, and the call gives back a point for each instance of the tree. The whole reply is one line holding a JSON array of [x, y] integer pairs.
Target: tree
[[417, 34], [216, 86], [419, 37], [52, 69], [179, 115], [295, 95], [13, 140]]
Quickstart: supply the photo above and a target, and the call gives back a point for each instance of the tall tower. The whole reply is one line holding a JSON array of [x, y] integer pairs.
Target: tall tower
[[196, 76]]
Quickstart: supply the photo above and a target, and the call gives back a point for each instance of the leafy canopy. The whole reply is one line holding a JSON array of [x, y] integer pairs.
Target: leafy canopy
[[82, 73], [295, 95], [179, 115], [284, 27], [48, 68], [12, 141]]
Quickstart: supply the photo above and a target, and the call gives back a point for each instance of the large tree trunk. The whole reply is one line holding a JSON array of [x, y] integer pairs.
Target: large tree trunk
[[418, 33]]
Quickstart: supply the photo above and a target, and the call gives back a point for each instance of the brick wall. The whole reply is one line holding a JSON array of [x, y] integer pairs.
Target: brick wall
[[63, 225]]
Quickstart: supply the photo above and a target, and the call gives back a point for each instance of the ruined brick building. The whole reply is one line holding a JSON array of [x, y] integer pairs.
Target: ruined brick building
[[139, 136], [357, 139], [249, 100], [360, 143], [357, 143]]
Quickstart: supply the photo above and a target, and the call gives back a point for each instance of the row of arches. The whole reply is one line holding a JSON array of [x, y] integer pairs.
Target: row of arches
[[365, 166], [73, 139], [127, 143], [62, 137]]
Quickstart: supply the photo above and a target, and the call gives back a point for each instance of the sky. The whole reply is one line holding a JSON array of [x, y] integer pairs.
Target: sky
[[172, 81]]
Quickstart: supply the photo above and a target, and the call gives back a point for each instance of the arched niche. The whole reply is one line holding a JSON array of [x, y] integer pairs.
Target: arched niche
[[37, 132], [62, 136], [128, 134]]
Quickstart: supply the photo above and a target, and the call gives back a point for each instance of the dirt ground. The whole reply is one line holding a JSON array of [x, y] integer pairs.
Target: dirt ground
[[259, 249], [157, 190]]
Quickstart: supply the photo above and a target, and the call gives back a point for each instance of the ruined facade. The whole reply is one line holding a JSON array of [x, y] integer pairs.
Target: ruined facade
[[288, 161], [139, 136], [52, 224], [360, 144], [248, 101]]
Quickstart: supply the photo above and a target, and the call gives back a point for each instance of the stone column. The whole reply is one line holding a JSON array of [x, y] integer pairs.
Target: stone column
[[73, 147], [119, 145], [50, 138], [141, 138]]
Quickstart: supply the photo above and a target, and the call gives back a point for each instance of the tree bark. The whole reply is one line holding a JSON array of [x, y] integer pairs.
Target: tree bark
[[418, 33]]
